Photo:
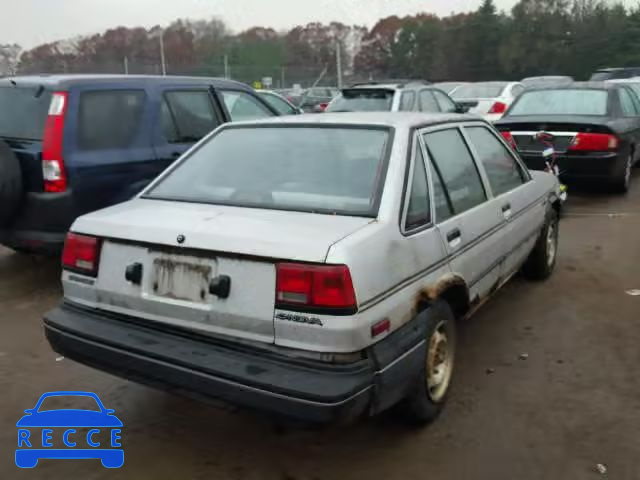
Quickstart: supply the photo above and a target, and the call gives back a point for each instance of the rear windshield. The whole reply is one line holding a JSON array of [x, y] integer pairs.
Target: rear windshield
[[479, 90], [334, 170], [23, 112], [361, 100], [561, 102]]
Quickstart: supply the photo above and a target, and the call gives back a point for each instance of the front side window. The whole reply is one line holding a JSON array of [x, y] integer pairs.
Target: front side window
[[243, 106], [457, 168], [109, 119], [278, 103], [187, 116], [419, 209], [337, 170], [446, 104], [428, 102], [503, 171]]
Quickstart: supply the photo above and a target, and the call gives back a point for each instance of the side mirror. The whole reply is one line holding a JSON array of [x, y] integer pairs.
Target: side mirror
[[461, 108]]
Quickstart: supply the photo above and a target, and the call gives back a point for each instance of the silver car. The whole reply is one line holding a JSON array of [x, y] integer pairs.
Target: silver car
[[313, 266]]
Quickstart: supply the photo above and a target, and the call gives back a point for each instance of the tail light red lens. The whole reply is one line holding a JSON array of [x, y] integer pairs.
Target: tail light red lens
[[315, 287], [53, 171], [81, 254], [509, 139], [596, 142], [498, 107]]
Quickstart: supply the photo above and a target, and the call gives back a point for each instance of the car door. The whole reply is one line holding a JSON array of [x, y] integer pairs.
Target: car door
[[469, 221], [520, 202], [630, 110], [184, 115], [111, 151]]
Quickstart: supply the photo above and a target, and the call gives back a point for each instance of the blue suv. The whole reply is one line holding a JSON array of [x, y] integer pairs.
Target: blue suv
[[72, 144]]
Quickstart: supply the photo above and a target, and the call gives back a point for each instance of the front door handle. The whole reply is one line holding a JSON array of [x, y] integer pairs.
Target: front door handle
[[506, 210], [454, 237]]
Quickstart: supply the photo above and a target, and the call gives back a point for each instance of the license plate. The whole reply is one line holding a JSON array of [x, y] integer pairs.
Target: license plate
[[181, 280]]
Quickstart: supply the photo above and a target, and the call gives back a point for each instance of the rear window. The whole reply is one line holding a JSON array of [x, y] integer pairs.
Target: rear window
[[335, 170], [109, 119], [561, 102], [361, 100], [479, 90], [23, 112]]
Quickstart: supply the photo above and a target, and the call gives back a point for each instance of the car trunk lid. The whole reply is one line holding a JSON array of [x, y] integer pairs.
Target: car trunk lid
[[185, 259]]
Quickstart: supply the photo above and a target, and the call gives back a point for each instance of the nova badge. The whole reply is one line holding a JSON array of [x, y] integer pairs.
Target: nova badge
[[290, 317]]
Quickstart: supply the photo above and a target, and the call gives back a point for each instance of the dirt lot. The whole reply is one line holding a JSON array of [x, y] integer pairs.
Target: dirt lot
[[573, 403]]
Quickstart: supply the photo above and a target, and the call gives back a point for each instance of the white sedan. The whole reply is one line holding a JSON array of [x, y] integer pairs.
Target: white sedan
[[489, 99]]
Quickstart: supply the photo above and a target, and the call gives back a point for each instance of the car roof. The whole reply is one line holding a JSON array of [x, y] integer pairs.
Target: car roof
[[382, 119], [63, 81], [578, 86]]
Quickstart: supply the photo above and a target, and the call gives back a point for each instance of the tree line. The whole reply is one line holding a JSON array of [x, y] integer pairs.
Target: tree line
[[569, 37]]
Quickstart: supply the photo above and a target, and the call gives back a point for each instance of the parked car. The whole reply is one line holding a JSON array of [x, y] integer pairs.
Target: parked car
[[595, 125], [314, 100], [313, 267], [74, 144], [615, 73], [280, 103], [448, 87], [489, 99], [400, 97], [547, 80]]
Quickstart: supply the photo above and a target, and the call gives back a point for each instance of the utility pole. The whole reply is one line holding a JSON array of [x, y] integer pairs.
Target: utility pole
[[339, 63], [126, 65], [226, 66], [162, 59]]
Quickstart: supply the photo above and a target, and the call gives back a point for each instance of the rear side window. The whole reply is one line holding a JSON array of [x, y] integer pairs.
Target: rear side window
[[109, 119], [23, 112], [441, 201], [627, 103], [517, 90], [457, 168], [187, 116], [243, 106], [407, 101], [419, 209], [503, 171], [428, 102]]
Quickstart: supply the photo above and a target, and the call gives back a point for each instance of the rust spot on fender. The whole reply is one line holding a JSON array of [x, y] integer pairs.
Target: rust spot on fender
[[434, 291]]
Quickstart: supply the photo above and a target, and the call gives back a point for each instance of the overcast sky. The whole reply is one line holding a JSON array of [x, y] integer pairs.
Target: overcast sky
[[31, 22]]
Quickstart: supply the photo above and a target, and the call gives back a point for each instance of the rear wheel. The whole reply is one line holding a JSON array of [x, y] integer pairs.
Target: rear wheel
[[10, 184], [426, 401], [620, 183], [542, 259]]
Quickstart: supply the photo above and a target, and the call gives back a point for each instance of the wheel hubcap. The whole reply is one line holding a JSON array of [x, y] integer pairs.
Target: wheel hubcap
[[552, 243], [439, 363]]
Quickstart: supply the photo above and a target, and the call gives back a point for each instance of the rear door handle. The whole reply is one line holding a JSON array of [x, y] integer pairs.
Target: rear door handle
[[454, 237], [506, 210]]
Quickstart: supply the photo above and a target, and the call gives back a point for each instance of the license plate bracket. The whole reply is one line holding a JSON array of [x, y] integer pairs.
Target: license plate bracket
[[180, 279]]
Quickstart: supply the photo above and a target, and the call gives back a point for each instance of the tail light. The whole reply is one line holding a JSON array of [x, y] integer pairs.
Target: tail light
[[81, 254], [53, 172], [498, 107], [315, 288], [594, 142], [508, 137]]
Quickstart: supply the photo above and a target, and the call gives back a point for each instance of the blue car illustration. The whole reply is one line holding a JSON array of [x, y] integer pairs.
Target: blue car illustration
[[31, 448]]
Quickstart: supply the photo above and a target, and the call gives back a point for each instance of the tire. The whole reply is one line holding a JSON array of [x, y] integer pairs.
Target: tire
[[542, 259], [620, 182], [10, 184], [425, 403]]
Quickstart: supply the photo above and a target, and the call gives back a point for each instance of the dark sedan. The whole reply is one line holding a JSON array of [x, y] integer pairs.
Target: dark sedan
[[595, 129]]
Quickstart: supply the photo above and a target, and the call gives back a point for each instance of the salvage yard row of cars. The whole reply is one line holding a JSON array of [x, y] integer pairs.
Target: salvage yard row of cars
[[309, 265]]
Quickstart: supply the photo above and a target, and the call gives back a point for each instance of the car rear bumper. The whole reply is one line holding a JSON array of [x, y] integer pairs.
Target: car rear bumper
[[179, 361], [41, 223], [591, 166]]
